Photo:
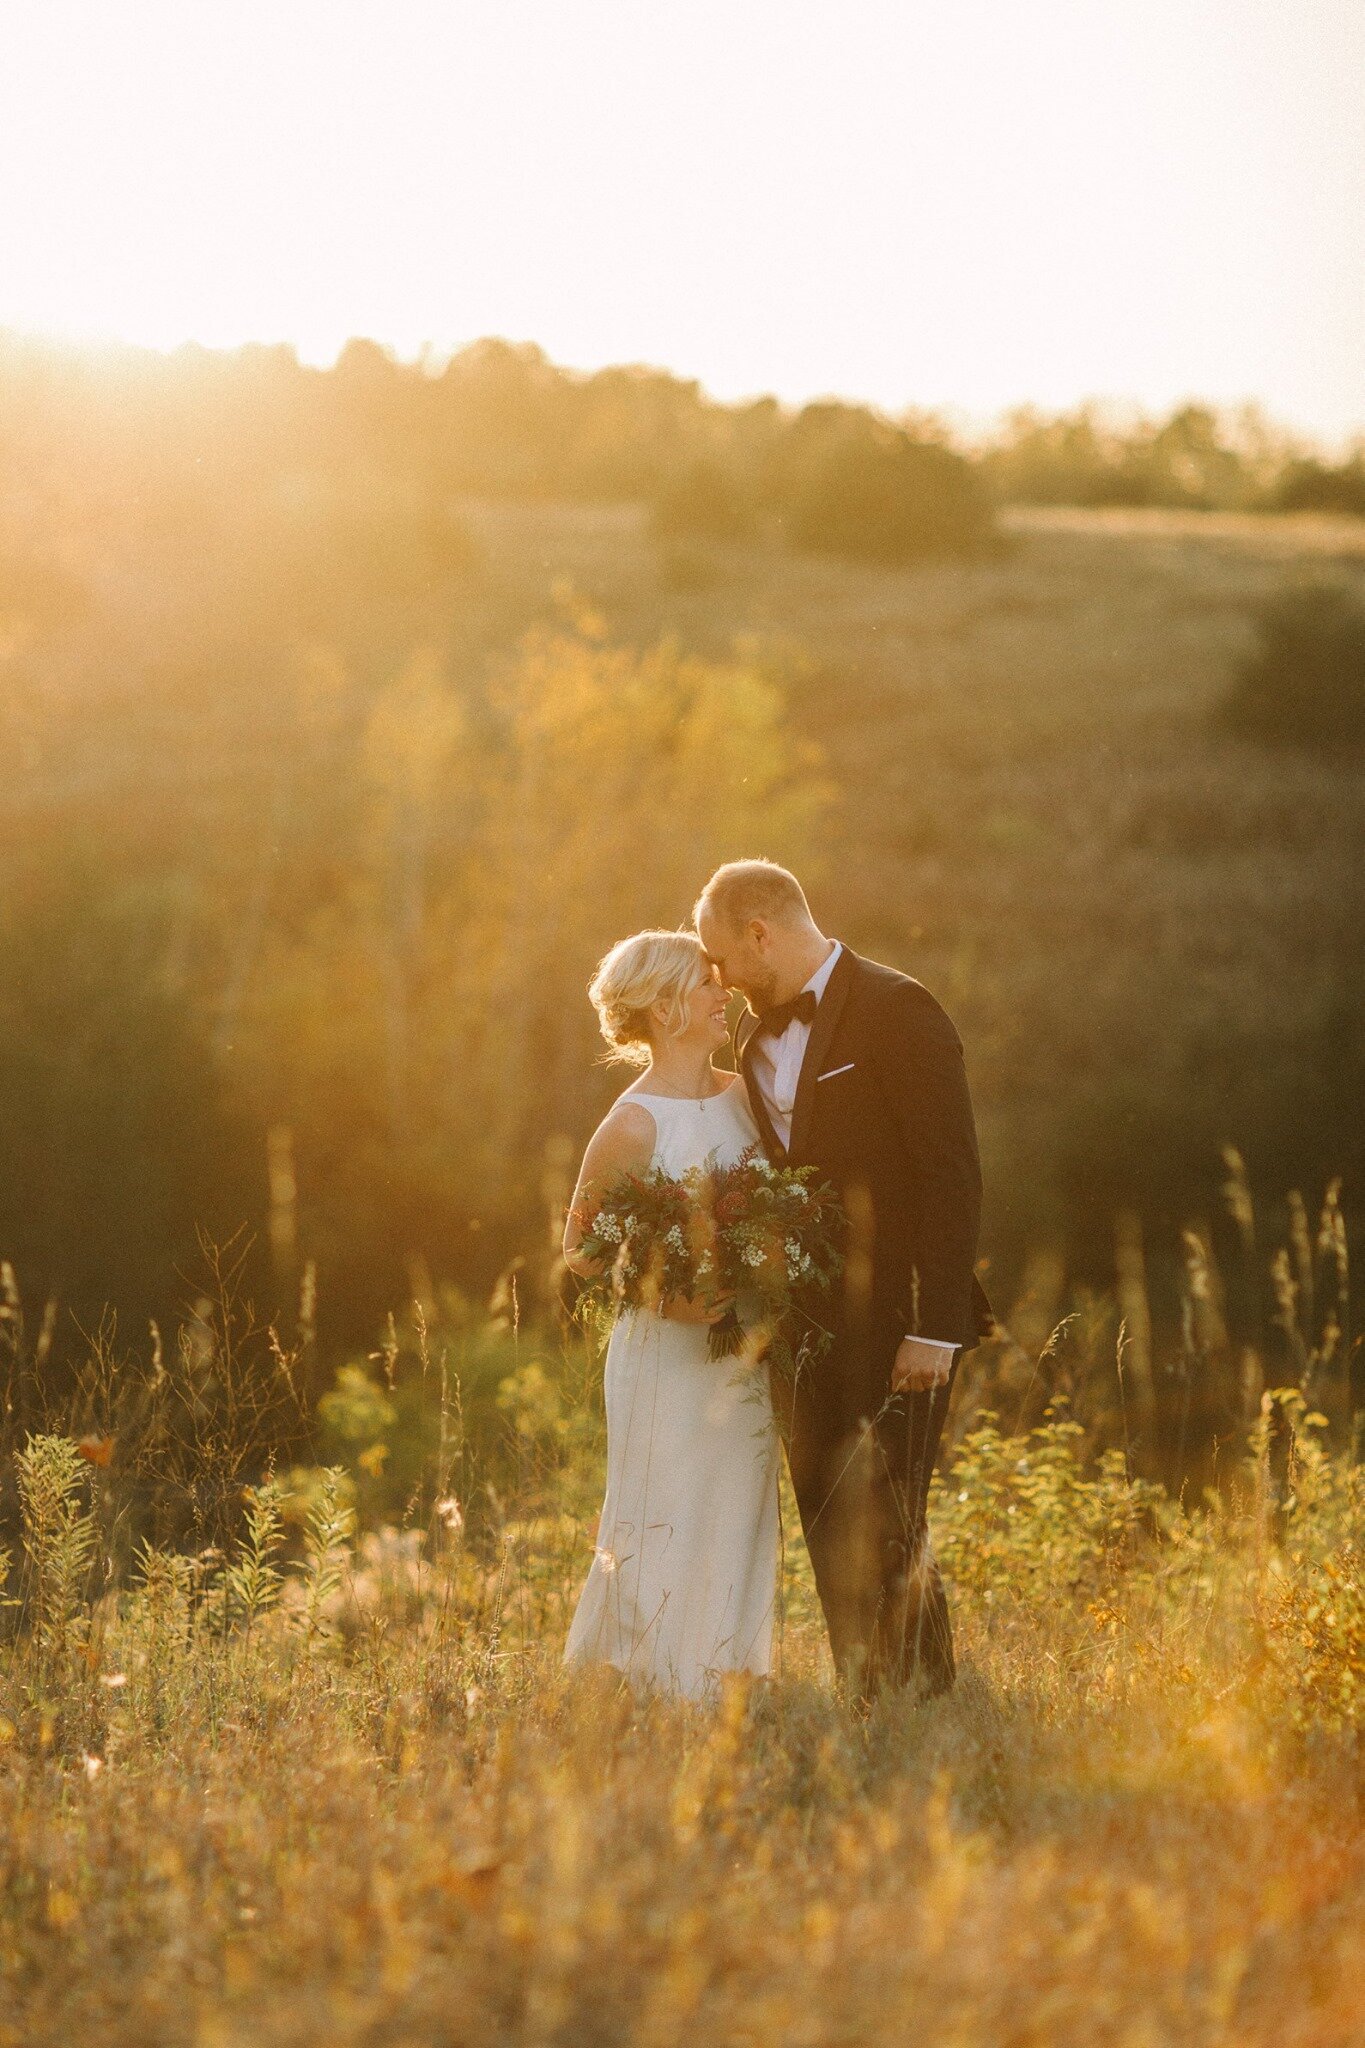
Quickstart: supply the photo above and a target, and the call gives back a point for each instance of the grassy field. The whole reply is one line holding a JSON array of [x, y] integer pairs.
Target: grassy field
[[1143, 926], [345, 1794], [334, 1786], [346, 850]]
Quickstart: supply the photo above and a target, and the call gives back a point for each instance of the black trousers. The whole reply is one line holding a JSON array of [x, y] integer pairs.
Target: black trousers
[[861, 1470]]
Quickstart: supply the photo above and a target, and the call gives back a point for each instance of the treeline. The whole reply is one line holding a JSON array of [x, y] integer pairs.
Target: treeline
[[499, 420], [406, 442], [1197, 459]]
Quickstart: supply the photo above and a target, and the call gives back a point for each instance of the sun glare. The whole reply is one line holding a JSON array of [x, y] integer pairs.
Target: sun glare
[[1002, 205]]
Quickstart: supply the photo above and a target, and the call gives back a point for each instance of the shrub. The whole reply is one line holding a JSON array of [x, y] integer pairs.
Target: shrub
[[1305, 685], [1312, 486], [254, 1578], [888, 499], [114, 1126], [1312, 1600], [59, 1540], [577, 792], [1031, 1512]]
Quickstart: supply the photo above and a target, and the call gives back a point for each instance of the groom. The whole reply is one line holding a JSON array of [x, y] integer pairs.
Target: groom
[[855, 1070]]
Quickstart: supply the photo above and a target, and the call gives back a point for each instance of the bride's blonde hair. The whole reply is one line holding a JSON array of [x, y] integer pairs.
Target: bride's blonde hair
[[637, 973]]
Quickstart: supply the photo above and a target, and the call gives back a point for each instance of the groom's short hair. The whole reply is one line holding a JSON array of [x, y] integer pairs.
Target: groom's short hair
[[745, 889]]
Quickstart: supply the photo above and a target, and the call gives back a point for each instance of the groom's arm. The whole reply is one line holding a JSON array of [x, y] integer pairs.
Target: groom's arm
[[923, 1076]]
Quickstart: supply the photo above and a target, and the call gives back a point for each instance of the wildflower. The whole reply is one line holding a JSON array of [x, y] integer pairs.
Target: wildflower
[[451, 1515], [607, 1559]]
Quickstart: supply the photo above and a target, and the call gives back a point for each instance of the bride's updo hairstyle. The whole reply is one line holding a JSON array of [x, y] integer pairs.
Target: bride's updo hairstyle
[[637, 973]]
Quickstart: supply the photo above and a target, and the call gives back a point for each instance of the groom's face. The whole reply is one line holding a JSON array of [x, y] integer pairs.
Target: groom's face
[[742, 957]]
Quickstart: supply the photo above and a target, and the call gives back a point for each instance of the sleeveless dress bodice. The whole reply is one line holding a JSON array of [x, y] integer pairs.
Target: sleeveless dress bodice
[[684, 1575], [688, 1133]]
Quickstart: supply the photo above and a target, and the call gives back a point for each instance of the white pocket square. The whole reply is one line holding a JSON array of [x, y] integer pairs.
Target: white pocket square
[[829, 1076]]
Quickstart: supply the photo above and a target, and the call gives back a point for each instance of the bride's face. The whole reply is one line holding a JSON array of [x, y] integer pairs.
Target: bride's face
[[704, 1023]]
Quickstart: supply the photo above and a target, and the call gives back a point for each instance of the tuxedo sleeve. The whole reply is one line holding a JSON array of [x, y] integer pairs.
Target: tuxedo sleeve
[[923, 1079]]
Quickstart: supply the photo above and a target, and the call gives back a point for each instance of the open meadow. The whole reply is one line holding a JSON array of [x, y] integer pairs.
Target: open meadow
[[327, 790], [682, 1025]]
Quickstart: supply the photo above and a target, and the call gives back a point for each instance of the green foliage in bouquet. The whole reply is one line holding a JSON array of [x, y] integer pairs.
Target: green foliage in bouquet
[[758, 1241]]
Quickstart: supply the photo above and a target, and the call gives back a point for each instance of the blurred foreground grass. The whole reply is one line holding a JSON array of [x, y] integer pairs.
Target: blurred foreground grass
[[299, 1789]]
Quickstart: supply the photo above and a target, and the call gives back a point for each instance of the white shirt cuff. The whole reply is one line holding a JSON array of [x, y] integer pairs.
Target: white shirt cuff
[[935, 1343]]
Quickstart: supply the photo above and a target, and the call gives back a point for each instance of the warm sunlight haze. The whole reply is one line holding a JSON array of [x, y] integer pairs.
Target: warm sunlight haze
[[682, 1024], [959, 207]]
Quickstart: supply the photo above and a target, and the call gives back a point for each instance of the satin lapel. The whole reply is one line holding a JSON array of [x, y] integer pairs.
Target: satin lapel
[[821, 1038], [744, 1035]]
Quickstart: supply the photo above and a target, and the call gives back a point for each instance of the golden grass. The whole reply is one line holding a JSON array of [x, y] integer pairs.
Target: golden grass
[[1136, 1821]]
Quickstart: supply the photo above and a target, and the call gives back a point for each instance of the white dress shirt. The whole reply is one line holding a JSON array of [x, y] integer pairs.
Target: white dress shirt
[[775, 1061]]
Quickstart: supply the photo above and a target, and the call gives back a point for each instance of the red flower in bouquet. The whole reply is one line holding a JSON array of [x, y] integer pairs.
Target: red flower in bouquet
[[763, 1238]]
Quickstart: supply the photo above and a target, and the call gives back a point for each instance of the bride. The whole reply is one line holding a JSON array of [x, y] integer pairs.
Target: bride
[[683, 1581]]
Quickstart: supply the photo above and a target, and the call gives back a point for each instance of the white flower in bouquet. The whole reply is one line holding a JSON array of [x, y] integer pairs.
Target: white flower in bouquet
[[721, 1229]]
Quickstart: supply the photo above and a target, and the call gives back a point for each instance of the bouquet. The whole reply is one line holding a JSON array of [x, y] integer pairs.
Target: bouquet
[[761, 1239]]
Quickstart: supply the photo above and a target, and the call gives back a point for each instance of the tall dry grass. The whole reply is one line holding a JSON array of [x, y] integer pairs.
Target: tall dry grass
[[320, 1781]]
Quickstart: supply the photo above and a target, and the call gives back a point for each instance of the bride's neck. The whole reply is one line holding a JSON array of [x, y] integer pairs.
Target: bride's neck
[[682, 1071]]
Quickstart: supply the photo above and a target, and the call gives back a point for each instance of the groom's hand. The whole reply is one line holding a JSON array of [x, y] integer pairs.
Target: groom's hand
[[920, 1365]]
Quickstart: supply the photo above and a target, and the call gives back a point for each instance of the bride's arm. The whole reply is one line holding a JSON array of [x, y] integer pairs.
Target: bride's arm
[[622, 1143]]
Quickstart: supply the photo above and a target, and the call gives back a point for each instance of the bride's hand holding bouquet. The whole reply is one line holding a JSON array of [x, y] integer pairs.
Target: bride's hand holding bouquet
[[747, 1249], [700, 1310]]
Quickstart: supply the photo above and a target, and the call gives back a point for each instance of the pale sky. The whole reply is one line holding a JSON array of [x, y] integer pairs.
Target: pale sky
[[963, 204]]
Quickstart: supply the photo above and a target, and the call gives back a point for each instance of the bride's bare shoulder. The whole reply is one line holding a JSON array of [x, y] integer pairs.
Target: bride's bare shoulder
[[629, 1113], [623, 1140]]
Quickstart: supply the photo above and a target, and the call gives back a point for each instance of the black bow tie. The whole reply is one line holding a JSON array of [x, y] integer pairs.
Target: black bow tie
[[780, 1015]]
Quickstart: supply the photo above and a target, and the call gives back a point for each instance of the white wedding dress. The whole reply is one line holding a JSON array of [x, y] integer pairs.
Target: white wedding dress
[[683, 1583]]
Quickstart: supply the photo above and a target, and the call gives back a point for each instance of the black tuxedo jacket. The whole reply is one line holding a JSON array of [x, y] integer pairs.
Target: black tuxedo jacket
[[883, 1111]]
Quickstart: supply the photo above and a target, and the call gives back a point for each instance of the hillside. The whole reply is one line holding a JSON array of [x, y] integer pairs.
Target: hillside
[[1150, 934], [307, 833]]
